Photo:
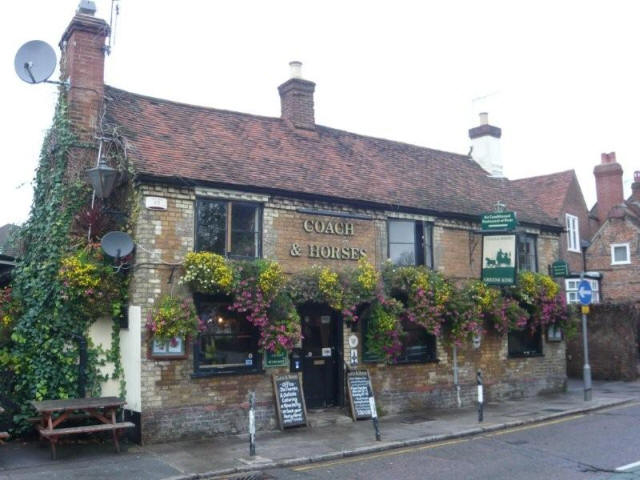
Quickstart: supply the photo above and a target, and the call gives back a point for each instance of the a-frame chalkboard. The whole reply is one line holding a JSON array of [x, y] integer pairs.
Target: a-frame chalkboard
[[290, 406], [358, 385]]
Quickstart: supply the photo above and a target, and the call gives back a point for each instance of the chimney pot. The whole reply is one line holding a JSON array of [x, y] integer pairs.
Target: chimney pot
[[485, 144], [609, 189], [296, 99], [87, 7], [635, 187], [295, 69]]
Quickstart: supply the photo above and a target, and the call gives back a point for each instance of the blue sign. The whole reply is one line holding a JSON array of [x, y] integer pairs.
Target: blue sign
[[584, 292]]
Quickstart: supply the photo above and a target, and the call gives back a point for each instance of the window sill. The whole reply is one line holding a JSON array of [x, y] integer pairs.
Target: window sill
[[226, 373], [574, 250], [621, 263], [402, 362], [414, 362], [525, 355]]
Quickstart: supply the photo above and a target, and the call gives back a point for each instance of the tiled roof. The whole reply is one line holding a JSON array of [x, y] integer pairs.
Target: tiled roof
[[198, 145], [549, 191]]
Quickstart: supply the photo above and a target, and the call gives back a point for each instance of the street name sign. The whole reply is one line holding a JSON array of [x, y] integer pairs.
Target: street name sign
[[584, 292]]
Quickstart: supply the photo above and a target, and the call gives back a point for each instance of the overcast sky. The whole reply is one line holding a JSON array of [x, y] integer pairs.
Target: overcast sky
[[561, 78]]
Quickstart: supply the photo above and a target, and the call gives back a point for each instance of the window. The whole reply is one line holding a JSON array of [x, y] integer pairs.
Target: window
[[418, 346], [411, 242], [571, 286], [229, 343], [620, 254], [228, 228], [573, 233], [525, 343], [527, 253]]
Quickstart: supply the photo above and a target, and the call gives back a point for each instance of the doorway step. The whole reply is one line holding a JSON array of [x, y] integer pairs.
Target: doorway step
[[323, 417]]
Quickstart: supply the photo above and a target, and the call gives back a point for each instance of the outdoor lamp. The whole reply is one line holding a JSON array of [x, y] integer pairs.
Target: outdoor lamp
[[102, 178]]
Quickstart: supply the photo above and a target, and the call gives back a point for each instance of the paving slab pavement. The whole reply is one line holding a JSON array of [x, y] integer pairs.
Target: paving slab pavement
[[200, 459]]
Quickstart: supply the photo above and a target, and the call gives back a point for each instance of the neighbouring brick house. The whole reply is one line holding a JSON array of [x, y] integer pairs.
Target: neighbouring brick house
[[614, 250], [560, 195], [255, 186]]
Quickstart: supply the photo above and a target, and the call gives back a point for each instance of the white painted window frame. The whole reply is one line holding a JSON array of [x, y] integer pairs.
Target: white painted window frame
[[617, 245], [573, 232]]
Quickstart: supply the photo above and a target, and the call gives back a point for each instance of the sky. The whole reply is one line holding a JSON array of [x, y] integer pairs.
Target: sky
[[561, 78]]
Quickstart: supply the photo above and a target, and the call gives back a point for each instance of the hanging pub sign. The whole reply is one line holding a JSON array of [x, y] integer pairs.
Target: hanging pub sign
[[559, 268], [498, 221], [499, 259]]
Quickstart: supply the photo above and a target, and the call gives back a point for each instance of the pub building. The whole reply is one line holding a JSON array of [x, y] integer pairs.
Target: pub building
[[289, 190]]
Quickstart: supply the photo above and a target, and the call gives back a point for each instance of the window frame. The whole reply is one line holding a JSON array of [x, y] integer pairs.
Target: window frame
[[431, 358], [628, 250], [538, 350], [228, 230], [524, 236], [573, 232], [198, 370], [422, 241]]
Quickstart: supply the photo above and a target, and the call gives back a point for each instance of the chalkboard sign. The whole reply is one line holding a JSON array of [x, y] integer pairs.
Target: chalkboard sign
[[290, 406], [358, 385]]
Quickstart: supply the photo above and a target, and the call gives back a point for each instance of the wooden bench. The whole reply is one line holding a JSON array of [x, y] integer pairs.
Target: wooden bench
[[101, 427], [53, 413]]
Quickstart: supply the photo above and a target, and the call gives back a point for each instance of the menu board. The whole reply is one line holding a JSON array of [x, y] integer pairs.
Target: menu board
[[290, 406], [358, 385]]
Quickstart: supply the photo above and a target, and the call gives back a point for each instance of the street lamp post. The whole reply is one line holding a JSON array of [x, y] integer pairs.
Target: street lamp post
[[584, 295]]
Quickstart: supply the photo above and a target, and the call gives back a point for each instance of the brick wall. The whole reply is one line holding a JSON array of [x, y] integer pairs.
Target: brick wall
[[612, 331], [175, 405], [82, 64], [619, 282]]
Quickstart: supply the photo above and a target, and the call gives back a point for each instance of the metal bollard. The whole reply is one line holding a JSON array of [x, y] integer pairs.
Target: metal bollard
[[480, 397], [374, 413], [252, 424]]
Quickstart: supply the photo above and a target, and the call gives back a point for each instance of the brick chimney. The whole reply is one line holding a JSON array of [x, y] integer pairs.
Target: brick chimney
[[608, 185], [485, 145], [635, 187], [296, 96], [82, 64]]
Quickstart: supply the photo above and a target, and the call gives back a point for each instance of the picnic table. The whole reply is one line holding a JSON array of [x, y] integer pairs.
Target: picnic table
[[53, 413], [3, 435]]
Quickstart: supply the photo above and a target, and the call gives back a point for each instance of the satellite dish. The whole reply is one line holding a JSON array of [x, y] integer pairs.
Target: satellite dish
[[35, 61], [117, 244]]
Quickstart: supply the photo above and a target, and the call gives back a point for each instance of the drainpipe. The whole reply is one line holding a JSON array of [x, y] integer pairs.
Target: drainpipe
[[82, 365]]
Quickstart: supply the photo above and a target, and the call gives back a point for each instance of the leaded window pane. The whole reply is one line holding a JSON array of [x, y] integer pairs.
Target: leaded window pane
[[211, 226]]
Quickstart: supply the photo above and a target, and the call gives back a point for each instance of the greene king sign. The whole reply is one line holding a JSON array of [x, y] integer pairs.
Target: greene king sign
[[499, 259]]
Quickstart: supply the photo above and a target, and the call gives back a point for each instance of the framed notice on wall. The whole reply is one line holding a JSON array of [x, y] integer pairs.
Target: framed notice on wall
[[173, 349], [499, 259]]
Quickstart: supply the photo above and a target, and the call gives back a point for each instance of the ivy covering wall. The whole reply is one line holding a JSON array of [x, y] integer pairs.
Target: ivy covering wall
[[60, 286]]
